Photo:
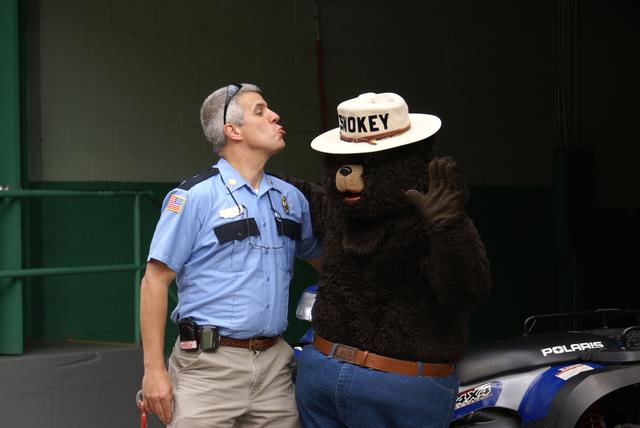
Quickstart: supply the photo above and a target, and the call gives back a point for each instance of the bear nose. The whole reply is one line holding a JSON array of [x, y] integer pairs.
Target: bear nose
[[345, 170]]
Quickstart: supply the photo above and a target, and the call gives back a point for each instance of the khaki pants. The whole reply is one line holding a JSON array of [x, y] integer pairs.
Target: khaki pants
[[233, 387]]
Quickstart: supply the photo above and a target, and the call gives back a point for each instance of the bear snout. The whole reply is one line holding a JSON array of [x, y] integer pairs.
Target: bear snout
[[349, 179]]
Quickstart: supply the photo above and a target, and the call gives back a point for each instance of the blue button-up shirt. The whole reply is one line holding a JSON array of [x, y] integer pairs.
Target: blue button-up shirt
[[239, 285]]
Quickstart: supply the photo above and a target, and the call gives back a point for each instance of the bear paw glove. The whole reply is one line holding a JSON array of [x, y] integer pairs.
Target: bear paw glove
[[446, 195]]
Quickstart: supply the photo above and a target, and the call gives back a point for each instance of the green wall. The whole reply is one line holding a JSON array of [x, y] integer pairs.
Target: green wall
[[516, 224], [11, 328], [86, 232], [96, 231]]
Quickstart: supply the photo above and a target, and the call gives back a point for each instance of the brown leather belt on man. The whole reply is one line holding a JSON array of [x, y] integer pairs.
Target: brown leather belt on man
[[378, 362], [207, 339], [253, 343]]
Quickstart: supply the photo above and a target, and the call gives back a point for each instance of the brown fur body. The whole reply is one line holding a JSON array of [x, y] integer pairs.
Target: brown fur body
[[392, 283]]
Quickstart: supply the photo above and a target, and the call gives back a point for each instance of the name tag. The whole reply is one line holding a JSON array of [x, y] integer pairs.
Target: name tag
[[230, 212]]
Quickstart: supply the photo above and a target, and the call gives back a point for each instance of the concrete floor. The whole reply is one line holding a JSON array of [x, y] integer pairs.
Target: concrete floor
[[72, 384]]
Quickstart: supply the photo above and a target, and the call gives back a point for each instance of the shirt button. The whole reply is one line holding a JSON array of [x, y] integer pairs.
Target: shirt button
[[267, 306], [268, 278], [264, 224]]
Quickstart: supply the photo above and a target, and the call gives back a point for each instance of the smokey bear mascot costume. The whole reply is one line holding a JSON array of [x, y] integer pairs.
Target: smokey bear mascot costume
[[404, 266]]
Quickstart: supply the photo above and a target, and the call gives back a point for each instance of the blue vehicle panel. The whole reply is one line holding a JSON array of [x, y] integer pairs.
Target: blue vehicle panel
[[540, 394]]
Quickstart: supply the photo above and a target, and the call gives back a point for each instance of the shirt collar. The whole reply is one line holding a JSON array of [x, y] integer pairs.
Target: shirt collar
[[234, 180]]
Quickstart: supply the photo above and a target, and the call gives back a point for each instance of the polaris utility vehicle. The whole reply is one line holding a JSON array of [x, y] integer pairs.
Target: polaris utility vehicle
[[574, 377]]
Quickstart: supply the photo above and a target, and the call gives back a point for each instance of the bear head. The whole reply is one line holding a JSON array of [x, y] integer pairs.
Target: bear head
[[373, 185]]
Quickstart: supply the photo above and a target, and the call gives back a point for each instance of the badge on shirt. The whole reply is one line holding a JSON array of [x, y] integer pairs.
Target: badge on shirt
[[285, 205], [176, 203], [230, 212]]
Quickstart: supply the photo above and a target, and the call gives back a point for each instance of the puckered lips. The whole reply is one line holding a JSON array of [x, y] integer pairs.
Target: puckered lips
[[350, 198]]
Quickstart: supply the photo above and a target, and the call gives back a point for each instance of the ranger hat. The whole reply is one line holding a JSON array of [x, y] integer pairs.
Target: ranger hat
[[375, 122]]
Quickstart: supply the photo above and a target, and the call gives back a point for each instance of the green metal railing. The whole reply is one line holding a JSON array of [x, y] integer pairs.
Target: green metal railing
[[137, 266]]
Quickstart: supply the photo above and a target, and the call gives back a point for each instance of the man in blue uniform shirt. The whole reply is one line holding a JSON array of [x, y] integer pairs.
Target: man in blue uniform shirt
[[228, 236]]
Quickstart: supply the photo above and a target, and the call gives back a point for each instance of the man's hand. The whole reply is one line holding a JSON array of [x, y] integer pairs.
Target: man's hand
[[445, 197], [156, 385], [157, 394]]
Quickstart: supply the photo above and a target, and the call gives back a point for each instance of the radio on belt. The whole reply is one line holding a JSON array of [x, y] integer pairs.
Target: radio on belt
[[194, 337]]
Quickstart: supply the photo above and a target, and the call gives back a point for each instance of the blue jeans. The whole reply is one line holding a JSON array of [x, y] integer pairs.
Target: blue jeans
[[331, 393]]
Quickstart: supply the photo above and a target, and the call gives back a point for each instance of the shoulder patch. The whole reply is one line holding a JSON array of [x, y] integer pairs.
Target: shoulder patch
[[189, 183], [176, 203]]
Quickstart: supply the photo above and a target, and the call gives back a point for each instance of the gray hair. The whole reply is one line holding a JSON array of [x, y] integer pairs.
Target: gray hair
[[212, 110]]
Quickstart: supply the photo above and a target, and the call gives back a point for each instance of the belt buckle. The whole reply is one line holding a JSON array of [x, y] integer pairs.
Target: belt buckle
[[257, 344], [345, 353]]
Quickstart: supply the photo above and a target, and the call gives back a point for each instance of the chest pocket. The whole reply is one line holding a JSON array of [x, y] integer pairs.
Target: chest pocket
[[291, 232], [234, 246]]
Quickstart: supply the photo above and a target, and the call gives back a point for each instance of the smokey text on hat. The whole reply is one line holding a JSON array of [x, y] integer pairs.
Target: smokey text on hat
[[360, 123]]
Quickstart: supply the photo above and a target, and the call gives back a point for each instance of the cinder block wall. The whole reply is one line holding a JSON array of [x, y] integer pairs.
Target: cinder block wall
[[121, 83], [115, 89]]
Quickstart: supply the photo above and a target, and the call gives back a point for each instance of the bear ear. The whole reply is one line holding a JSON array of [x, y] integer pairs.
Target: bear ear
[[316, 194]]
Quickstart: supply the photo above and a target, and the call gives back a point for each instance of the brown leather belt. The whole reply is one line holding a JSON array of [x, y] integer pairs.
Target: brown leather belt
[[378, 362], [254, 343]]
